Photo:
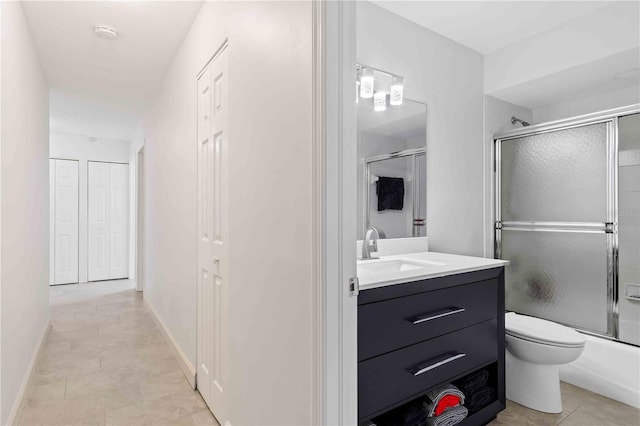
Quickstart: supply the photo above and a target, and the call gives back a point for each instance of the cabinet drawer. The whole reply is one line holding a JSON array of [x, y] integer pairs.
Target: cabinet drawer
[[406, 373], [392, 324]]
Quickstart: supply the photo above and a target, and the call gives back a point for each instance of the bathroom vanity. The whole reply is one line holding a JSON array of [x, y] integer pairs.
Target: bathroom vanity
[[424, 320]]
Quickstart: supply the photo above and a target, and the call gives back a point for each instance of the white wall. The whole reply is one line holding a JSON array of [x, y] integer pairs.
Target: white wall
[[270, 80], [24, 169], [498, 115], [137, 142], [448, 77], [76, 147], [588, 104]]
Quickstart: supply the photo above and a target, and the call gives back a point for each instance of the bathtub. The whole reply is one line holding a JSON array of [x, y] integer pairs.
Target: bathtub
[[608, 368]]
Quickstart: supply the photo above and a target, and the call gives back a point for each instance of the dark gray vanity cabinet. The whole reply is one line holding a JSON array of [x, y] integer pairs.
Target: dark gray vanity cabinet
[[415, 336]]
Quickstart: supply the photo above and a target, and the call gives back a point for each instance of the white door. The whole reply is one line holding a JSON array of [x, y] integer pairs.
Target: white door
[[98, 223], [118, 221], [213, 259], [52, 221], [65, 221], [108, 199]]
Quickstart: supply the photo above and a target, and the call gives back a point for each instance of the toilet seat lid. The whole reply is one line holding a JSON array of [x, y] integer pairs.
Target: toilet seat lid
[[543, 331]]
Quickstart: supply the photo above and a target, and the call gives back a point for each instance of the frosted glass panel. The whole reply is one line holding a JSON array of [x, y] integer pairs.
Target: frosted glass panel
[[559, 276], [629, 228], [556, 177]]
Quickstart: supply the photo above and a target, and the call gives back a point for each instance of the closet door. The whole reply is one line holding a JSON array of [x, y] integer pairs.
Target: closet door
[[52, 221], [213, 238], [65, 221], [108, 221], [98, 223], [118, 221]]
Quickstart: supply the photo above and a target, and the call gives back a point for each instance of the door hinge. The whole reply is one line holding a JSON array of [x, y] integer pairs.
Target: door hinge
[[498, 224], [354, 286]]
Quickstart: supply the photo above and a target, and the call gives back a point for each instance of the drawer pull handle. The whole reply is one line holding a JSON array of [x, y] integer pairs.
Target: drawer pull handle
[[438, 363], [437, 314]]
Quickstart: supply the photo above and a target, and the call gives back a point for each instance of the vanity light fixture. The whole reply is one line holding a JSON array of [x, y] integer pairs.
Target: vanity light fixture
[[387, 85], [380, 101], [366, 83], [396, 91]]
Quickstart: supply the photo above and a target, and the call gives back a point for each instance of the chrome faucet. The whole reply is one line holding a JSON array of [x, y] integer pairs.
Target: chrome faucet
[[370, 243]]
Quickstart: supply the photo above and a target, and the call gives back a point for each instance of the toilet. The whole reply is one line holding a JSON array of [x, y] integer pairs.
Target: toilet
[[535, 349]]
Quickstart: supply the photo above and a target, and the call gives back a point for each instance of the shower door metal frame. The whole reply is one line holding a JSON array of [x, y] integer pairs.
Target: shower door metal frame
[[610, 227], [414, 153]]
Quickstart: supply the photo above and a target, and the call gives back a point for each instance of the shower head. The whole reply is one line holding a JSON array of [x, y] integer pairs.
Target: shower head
[[515, 120]]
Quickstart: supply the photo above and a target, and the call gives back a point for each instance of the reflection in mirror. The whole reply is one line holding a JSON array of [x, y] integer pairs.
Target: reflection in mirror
[[392, 174]]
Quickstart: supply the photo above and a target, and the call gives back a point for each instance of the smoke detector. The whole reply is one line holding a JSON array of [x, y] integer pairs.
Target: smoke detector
[[105, 31]]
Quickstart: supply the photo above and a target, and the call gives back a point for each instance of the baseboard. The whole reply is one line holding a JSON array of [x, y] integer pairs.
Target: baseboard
[[19, 402], [187, 369]]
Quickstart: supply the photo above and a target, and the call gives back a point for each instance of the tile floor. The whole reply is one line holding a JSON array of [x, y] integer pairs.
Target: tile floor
[[106, 363], [580, 408]]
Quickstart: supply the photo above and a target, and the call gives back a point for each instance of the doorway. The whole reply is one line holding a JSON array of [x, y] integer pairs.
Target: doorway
[[140, 220]]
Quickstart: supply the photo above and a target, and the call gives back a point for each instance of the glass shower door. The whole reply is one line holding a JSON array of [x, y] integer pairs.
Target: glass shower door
[[555, 225]]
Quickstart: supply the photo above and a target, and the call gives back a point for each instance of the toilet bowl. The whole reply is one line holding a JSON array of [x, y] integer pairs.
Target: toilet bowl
[[535, 349]]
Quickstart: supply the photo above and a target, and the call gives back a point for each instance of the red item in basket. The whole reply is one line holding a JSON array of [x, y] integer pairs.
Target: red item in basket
[[445, 402]]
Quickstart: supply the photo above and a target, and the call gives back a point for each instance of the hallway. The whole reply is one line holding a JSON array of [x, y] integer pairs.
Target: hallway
[[105, 363]]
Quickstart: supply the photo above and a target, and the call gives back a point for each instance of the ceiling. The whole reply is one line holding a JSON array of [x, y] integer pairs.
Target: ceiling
[[575, 82], [485, 26], [102, 87]]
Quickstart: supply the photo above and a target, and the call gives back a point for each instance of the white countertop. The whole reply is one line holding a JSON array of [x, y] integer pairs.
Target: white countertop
[[423, 266]]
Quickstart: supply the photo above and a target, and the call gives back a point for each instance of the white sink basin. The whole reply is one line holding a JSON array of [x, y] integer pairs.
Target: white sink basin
[[397, 269], [390, 266]]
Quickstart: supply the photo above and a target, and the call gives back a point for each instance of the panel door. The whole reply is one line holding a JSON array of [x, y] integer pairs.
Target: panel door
[[213, 260], [66, 222], [98, 221], [52, 221], [118, 221]]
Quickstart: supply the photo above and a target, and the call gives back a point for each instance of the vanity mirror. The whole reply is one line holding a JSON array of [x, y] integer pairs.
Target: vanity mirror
[[392, 173]]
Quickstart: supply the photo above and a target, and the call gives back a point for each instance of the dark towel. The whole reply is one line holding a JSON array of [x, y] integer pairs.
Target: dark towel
[[414, 415], [474, 381], [390, 192], [479, 399]]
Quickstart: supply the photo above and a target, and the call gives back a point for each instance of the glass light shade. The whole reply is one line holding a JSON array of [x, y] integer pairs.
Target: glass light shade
[[380, 101], [366, 84], [396, 93]]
